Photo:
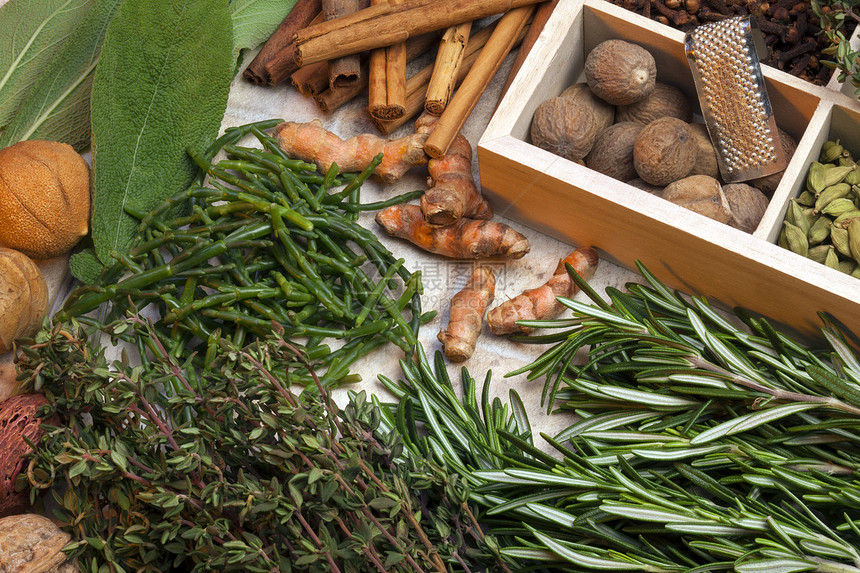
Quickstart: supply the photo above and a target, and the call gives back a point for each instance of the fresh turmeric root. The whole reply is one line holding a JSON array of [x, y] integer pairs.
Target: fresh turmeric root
[[467, 315], [540, 303], [465, 239], [453, 193], [312, 142]]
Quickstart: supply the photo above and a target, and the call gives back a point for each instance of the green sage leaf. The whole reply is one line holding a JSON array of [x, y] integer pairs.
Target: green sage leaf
[[31, 34], [160, 88], [58, 105], [255, 20]]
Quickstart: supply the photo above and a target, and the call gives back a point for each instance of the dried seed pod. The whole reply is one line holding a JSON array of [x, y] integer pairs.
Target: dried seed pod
[[854, 239], [612, 153], [839, 238], [794, 239], [18, 420], [31, 543], [830, 193], [620, 72], [819, 231], [663, 101], [819, 253], [664, 151]]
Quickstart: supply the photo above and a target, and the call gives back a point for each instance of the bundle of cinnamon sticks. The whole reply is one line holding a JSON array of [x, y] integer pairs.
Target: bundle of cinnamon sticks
[[334, 50]]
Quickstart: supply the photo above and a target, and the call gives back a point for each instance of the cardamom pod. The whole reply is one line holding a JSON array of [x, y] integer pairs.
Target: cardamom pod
[[832, 259], [807, 199], [830, 193], [819, 253], [856, 272], [853, 178], [815, 179], [819, 231], [830, 151], [795, 239], [838, 207], [839, 238], [847, 266], [854, 238], [845, 218], [846, 161], [796, 216], [831, 175]]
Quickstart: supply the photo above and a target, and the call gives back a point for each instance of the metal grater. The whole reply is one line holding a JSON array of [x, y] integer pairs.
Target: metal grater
[[732, 93]]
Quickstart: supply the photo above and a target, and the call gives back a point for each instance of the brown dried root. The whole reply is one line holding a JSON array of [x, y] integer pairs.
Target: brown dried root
[[465, 239], [312, 142], [453, 193], [540, 303], [467, 315]]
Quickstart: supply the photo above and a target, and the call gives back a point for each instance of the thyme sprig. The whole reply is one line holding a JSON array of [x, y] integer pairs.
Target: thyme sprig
[[834, 25], [172, 468]]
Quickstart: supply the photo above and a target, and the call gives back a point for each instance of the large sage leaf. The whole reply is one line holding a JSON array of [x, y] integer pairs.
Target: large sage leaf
[[57, 107], [160, 88], [31, 34], [255, 20]]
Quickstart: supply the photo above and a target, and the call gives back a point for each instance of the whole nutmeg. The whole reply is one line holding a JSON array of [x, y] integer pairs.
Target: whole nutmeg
[[44, 198], [604, 113], [612, 153], [664, 151], [18, 420], [739, 205], [620, 72], [31, 543], [23, 297], [706, 156], [700, 194], [747, 205], [768, 183], [663, 101], [564, 126]]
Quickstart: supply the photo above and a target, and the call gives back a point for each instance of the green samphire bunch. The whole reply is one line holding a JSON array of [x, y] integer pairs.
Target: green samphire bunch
[[823, 222]]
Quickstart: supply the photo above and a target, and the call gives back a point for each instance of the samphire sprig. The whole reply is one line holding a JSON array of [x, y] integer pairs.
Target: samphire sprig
[[260, 239], [169, 468]]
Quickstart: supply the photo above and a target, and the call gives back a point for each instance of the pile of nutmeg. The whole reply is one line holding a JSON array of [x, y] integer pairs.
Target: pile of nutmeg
[[625, 124]]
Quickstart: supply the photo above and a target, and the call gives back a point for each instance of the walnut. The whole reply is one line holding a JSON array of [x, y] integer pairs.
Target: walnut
[[31, 543]]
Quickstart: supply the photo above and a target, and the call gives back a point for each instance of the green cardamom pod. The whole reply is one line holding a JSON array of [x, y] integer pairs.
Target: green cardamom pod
[[846, 161], [818, 253], [832, 259], [795, 239], [839, 238], [838, 207], [819, 231], [845, 218], [853, 178], [796, 216], [815, 179], [830, 151], [830, 193], [833, 175], [854, 238], [856, 272], [807, 199], [847, 266]]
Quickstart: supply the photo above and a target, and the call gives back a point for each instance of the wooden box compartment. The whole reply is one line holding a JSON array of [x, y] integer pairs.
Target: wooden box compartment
[[686, 250]]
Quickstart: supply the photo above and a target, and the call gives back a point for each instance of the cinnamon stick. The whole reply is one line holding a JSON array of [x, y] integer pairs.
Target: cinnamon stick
[[300, 16], [283, 64], [377, 87], [417, 84], [541, 15], [312, 80], [386, 95], [330, 100], [345, 70], [448, 60], [384, 27], [494, 52]]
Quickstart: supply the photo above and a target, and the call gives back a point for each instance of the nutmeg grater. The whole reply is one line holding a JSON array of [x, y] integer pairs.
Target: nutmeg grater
[[735, 105]]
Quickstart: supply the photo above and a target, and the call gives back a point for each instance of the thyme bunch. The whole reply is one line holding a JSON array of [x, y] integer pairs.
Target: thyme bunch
[[834, 23], [172, 468]]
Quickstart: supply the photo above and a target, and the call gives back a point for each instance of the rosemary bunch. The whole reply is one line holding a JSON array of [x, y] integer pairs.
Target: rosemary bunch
[[266, 240], [170, 468], [699, 445]]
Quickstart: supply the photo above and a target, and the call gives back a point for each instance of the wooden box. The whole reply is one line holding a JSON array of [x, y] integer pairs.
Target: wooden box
[[686, 250]]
